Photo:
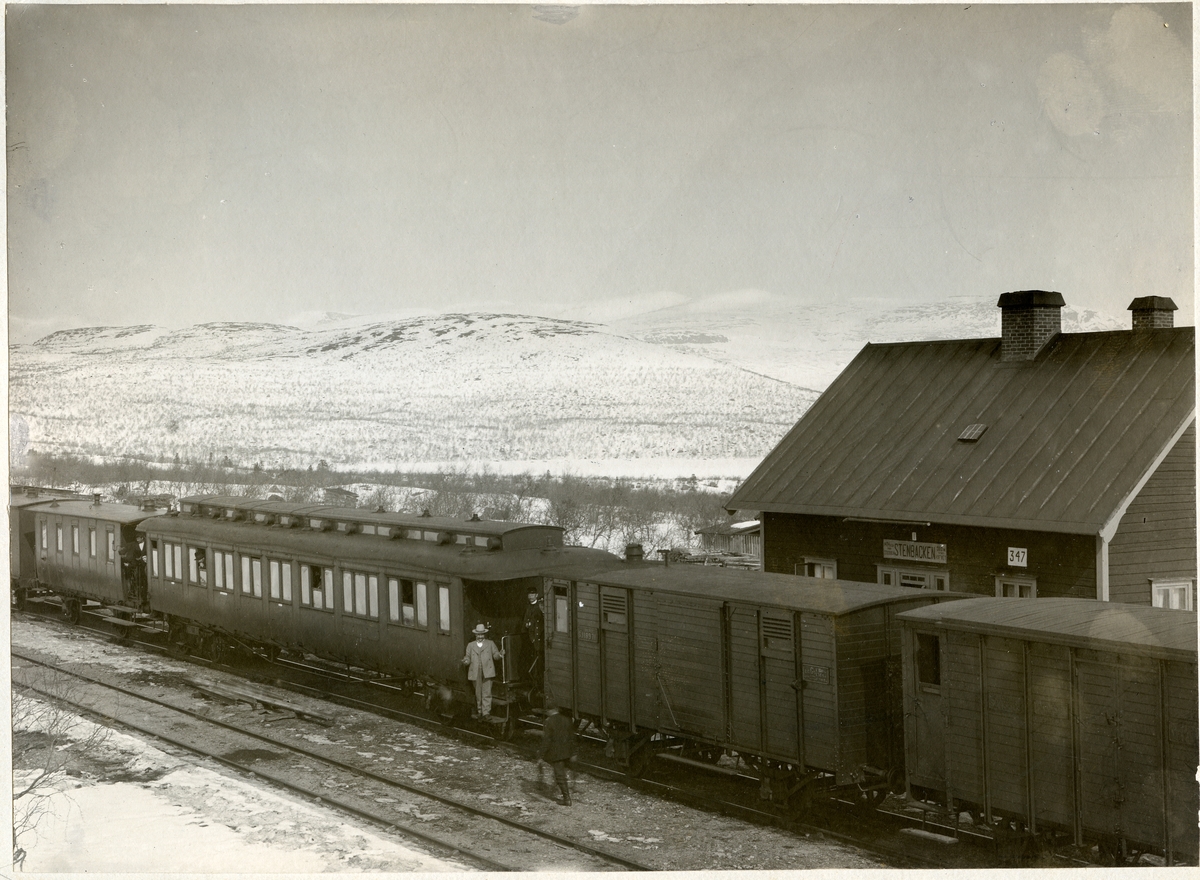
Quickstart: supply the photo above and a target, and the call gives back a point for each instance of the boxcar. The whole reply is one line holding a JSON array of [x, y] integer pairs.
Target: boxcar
[[1069, 716], [88, 551], [392, 592], [799, 676]]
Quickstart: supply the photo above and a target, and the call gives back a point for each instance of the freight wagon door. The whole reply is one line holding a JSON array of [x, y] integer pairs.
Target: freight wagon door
[[645, 659], [588, 675], [560, 658], [744, 689], [614, 652], [777, 651], [1120, 747]]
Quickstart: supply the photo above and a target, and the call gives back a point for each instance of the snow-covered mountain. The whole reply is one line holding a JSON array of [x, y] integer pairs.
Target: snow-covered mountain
[[465, 388], [809, 344]]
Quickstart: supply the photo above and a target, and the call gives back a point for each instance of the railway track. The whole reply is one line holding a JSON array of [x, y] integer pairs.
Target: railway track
[[153, 717], [876, 832]]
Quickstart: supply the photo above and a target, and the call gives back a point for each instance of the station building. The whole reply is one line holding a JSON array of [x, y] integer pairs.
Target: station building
[[1041, 463]]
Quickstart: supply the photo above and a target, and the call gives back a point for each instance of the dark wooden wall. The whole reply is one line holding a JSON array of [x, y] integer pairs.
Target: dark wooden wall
[[1064, 565]]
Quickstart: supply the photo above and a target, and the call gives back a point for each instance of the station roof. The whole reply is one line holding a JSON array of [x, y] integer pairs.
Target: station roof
[[1087, 623], [945, 432], [818, 595]]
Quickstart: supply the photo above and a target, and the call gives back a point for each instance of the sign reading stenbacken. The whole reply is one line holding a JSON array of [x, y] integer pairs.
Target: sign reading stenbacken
[[914, 551]]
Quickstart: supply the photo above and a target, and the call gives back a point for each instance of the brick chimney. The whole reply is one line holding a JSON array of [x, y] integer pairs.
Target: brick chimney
[[1153, 313], [1028, 320]]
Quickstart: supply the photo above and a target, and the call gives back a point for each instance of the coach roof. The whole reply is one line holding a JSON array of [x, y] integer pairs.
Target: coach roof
[[108, 511], [948, 432], [1087, 623]]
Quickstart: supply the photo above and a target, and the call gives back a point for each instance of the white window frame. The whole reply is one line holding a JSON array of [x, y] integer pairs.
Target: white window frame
[[75, 538], [825, 568], [1161, 589], [112, 546], [443, 609], [58, 536], [1025, 587], [936, 579], [92, 542]]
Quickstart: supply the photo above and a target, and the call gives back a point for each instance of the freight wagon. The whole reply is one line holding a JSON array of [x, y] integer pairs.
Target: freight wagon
[[799, 676], [1058, 716]]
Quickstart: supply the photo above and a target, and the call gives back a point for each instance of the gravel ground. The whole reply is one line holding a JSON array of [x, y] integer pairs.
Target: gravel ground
[[608, 814]]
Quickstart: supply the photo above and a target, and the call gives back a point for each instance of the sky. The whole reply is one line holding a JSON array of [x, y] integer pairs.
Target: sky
[[173, 165]]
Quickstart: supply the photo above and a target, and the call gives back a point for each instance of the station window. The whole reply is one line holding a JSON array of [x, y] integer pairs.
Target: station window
[[562, 610], [223, 570], [443, 609], [407, 602], [75, 538], [1175, 594], [915, 578], [1016, 588], [198, 566], [281, 580], [316, 587], [112, 546], [929, 661], [252, 576], [92, 543], [817, 568], [360, 594]]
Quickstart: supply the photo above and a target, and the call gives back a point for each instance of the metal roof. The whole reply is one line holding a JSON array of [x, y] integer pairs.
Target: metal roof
[[475, 563], [1068, 436], [18, 496], [819, 595], [1131, 629], [106, 512]]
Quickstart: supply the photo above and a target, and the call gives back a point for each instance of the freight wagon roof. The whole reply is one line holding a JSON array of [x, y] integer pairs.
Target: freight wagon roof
[[819, 595], [1065, 439], [486, 527], [107, 511], [1087, 623], [472, 563]]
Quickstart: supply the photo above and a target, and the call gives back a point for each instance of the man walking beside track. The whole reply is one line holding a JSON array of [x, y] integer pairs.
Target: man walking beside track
[[558, 747], [481, 668]]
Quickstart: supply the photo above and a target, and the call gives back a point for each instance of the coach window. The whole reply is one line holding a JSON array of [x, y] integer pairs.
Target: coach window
[[153, 558], [92, 543], [223, 570], [252, 576], [929, 662], [45, 543], [316, 587], [281, 580], [198, 566], [1016, 588], [443, 609], [562, 610], [112, 546], [75, 538], [58, 536], [360, 594]]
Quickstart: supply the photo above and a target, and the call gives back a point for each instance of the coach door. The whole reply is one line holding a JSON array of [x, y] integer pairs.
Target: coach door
[[925, 722], [560, 654]]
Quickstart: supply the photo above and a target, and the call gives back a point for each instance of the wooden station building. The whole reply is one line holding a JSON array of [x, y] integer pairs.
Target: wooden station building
[[1041, 463]]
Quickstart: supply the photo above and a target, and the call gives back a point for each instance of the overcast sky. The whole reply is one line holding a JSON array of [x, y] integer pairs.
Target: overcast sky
[[173, 165]]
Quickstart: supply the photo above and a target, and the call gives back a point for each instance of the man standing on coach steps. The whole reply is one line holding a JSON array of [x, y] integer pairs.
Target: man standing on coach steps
[[558, 747]]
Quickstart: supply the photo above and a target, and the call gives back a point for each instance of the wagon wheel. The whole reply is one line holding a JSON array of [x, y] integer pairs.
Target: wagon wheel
[[213, 648], [870, 799], [639, 761], [71, 610], [800, 802], [509, 730], [122, 634], [19, 599]]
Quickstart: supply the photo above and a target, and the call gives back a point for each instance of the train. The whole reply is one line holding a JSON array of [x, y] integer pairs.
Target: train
[[821, 688]]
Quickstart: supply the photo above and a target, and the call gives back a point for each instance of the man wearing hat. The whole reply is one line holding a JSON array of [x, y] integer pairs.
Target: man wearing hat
[[558, 747], [481, 668], [534, 624]]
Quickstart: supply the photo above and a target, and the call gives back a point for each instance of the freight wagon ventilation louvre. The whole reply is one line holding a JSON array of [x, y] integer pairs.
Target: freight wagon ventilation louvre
[[777, 634], [614, 607]]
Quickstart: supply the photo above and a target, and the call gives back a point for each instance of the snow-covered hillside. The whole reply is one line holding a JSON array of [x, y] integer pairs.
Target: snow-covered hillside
[[448, 388], [809, 344]]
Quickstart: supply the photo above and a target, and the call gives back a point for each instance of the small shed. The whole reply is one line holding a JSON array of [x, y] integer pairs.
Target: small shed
[[742, 538]]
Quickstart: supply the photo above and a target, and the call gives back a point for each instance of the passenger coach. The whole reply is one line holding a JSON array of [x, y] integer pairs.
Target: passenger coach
[[799, 676], [1066, 715], [392, 592]]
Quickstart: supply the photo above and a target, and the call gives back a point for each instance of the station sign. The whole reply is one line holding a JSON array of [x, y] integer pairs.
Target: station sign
[[914, 551]]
